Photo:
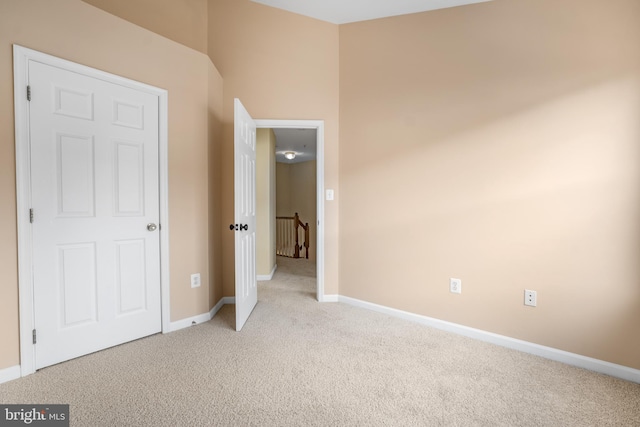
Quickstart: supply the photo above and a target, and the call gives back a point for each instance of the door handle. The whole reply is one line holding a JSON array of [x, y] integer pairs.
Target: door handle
[[151, 226], [237, 227]]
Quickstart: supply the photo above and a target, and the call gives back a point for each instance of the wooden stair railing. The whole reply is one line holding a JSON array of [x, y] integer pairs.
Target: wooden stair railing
[[288, 238]]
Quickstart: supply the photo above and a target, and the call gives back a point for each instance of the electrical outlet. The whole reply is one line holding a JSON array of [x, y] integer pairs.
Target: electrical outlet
[[530, 298], [455, 286], [195, 280]]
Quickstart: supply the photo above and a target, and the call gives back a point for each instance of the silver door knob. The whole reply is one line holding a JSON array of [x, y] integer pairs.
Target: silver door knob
[[151, 226]]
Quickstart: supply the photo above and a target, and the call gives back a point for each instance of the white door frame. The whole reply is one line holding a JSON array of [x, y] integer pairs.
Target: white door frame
[[21, 58], [318, 125]]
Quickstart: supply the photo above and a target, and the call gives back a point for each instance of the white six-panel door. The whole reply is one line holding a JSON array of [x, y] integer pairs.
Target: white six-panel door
[[95, 200], [245, 213]]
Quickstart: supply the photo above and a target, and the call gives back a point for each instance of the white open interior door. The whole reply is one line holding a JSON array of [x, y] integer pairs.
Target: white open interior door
[[95, 201], [245, 213]]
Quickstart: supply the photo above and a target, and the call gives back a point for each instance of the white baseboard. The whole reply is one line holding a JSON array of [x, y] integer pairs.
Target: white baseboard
[[10, 374], [573, 359], [263, 277], [330, 298], [200, 318], [216, 308], [189, 321]]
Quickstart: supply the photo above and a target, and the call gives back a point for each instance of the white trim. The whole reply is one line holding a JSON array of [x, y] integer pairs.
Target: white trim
[[319, 126], [9, 374], [216, 308], [23, 196], [263, 277], [189, 321], [163, 182], [200, 318], [21, 58], [573, 359], [331, 298], [223, 301]]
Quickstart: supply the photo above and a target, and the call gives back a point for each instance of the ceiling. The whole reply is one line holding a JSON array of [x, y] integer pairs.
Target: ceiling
[[300, 141], [345, 11]]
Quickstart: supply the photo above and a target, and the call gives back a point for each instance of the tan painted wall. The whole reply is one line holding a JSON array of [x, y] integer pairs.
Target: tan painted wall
[[281, 66], [183, 21], [296, 184], [283, 192], [265, 201], [74, 30], [497, 143], [215, 185]]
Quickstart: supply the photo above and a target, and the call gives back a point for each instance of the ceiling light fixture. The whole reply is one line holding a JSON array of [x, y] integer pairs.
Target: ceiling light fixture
[[290, 155]]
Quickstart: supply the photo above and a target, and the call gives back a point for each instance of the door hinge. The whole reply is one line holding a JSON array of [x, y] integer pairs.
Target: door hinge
[[28, 93], [34, 336], [31, 216]]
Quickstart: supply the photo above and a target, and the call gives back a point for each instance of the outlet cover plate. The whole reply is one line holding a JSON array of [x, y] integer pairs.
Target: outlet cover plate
[[455, 286], [195, 280], [530, 298]]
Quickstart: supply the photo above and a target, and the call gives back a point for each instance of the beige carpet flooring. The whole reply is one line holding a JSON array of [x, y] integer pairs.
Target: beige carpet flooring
[[301, 363]]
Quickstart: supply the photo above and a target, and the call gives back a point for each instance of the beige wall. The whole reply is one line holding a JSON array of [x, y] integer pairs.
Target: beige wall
[[215, 185], [281, 66], [183, 21], [265, 201], [73, 30], [283, 192], [497, 143]]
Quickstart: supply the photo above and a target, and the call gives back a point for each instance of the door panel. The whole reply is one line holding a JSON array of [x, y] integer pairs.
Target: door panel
[[130, 276], [74, 175], [129, 175], [245, 213], [77, 284], [94, 174]]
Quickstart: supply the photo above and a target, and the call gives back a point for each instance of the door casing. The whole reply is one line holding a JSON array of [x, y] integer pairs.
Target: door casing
[[21, 58]]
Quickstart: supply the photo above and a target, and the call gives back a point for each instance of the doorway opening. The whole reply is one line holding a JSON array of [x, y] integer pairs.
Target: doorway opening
[[293, 136]]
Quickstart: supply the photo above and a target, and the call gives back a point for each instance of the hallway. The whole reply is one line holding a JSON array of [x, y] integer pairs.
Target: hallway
[[292, 275]]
